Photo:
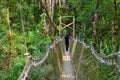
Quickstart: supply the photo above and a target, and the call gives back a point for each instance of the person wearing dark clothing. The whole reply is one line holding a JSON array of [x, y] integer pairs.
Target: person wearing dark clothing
[[67, 42]]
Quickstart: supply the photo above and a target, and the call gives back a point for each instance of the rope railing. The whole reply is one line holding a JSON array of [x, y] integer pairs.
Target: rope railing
[[93, 63], [109, 60], [25, 71], [35, 62]]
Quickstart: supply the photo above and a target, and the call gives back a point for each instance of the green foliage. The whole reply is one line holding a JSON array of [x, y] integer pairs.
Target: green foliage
[[14, 72], [37, 42]]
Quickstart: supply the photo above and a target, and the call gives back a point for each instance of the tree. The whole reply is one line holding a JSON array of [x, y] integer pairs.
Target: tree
[[49, 9], [95, 21], [10, 35], [115, 26]]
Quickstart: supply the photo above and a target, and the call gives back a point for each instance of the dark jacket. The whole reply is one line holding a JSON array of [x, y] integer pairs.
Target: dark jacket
[[67, 42]]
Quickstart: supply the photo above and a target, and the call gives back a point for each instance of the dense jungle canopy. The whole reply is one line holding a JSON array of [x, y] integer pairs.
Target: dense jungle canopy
[[31, 25]]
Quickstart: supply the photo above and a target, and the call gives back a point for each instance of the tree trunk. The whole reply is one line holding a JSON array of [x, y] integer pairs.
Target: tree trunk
[[0, 16], [95, 21], [114, 25], [10, 35], [49, 9], [63, 2]]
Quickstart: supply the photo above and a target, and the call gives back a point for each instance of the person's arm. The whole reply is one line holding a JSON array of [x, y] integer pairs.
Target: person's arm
[[71, 37], [63, 38]]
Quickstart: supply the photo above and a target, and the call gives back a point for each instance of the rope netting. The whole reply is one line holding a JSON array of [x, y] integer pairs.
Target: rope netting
[[87, 63], [47, 67], [90, 65]]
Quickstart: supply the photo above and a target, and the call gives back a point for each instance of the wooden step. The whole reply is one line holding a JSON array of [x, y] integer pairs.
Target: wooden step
[[68, 76]]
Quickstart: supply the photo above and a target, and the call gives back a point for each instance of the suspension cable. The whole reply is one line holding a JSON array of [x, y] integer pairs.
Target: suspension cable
[[23, 27]]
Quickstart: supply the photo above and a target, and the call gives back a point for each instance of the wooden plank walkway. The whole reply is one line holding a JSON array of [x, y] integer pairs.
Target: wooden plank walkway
[[68, 73]]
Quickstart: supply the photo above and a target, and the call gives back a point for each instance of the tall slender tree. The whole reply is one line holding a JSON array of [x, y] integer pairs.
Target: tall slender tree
[[49, 9], [114, 24], [10, 35], [95, 20]]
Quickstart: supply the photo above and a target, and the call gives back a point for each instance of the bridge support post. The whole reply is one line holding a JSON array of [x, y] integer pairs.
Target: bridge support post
[[63, 25]]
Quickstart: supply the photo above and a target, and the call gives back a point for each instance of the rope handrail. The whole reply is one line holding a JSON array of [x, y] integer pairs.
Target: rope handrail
[[93, 61], [109, 60], [24, 72], [47, 52], [43, 59], [35, 62], [103, 56]]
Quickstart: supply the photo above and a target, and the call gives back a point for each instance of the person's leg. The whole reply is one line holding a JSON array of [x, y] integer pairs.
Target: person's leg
[[66, 44], [66, 48]]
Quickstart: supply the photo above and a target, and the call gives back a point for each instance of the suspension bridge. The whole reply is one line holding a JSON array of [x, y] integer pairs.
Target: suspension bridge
[[80, 62]]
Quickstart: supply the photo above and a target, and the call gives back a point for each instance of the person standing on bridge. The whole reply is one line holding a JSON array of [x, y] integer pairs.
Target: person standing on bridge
[[67, 37], [67, 42]]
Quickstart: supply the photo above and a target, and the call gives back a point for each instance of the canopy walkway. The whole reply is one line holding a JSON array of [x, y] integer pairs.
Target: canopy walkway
[[81, 62]]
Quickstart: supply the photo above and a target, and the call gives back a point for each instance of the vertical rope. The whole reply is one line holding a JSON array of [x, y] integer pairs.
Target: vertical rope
[[73, 26], [23, 27], [73, 48]]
